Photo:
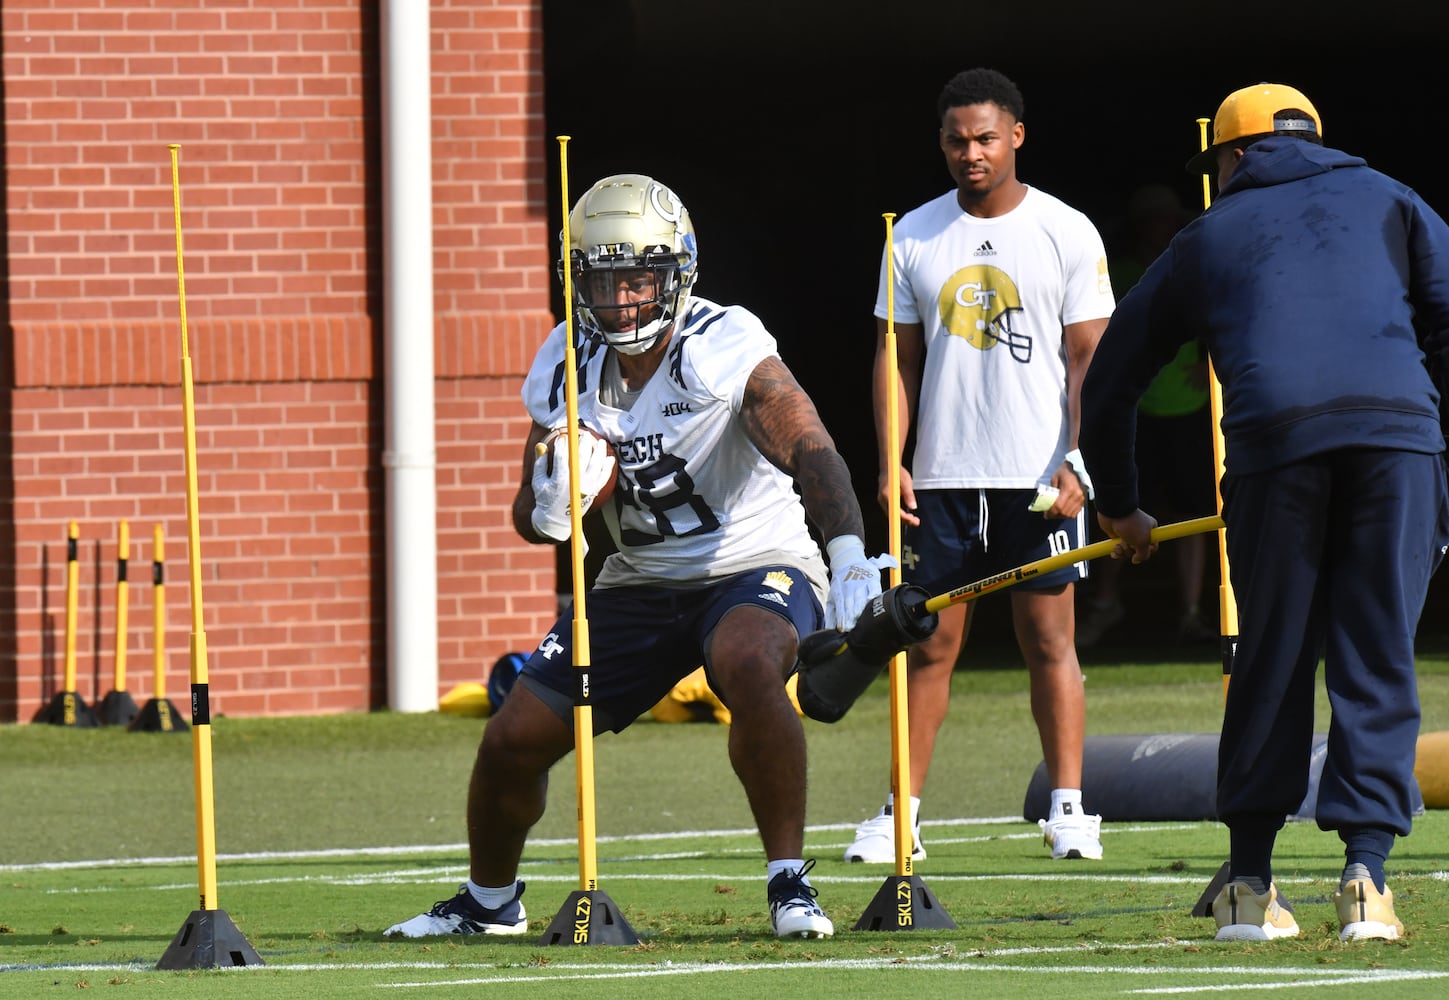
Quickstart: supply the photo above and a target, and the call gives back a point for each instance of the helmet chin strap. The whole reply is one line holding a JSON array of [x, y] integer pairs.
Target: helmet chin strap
[[644, 339]]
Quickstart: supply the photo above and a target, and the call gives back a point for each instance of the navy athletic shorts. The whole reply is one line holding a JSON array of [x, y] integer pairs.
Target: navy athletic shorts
[[967, 535], [644, 640]]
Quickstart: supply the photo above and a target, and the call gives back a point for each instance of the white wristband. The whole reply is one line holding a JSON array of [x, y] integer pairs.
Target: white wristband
[[1074, 460]]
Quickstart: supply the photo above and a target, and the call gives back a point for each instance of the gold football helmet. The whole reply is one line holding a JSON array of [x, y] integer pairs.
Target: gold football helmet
[[634, 260]]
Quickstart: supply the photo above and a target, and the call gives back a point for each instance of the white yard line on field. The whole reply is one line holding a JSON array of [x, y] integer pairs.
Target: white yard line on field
[[1373, 977], [614, 876], [975, 961], [462, 849], [405, 849]]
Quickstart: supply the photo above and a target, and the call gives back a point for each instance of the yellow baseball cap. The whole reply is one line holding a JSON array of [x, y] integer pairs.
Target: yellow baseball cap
[[1262, 109]]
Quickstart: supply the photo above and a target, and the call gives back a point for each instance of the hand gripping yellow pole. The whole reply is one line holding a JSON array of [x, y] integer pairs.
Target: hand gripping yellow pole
[[588, 916], [837, 668], [991, 584], [1227, 603]]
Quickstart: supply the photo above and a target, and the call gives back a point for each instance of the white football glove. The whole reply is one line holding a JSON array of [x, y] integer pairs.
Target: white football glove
[[854, 580], [551, 493]]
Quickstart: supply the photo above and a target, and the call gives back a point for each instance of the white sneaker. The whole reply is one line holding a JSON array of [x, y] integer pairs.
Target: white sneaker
[[1073, 834], [793, 910], [875, 840], [461, 914]]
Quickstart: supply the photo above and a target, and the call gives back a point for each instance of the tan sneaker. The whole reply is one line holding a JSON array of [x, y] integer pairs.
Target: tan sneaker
[[1365, 913], [1245, 915]]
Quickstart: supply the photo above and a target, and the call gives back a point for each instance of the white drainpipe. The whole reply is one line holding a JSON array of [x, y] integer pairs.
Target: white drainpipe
[[409, 458]]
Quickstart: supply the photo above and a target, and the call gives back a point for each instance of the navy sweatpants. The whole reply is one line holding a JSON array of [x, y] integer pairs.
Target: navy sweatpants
[[1329, 557]]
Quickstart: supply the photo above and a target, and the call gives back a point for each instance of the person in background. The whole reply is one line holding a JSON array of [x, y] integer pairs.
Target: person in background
[[721, 456], [1320, 288], [1001, 291], [1174, 435]]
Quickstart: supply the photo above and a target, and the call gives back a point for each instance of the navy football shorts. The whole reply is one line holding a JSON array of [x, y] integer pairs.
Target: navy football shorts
[[967, 535], [644, 640]]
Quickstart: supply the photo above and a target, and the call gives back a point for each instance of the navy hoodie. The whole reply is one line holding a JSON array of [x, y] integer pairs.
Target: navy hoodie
[[1318, 286]]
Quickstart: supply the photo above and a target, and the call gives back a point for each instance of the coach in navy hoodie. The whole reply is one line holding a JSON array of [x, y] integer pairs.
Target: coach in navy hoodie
[[1320, 288]]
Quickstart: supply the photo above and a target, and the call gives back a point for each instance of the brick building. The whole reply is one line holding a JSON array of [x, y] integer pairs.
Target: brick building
[[275, 105], [787, 128]]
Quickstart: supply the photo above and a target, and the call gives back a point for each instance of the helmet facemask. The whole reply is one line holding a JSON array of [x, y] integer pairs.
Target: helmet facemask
[[629, 300], [633, 260]]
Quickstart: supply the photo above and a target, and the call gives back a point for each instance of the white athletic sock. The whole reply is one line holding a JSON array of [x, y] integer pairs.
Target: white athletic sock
[[773, 868], [915, 808], [491, 897], [1065, 796]]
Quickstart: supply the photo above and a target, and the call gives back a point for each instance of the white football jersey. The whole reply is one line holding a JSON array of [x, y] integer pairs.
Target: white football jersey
[[993, 296], [695, 500]]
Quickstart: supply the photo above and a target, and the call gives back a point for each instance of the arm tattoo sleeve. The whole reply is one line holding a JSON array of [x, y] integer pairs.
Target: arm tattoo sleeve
[[784, 425]]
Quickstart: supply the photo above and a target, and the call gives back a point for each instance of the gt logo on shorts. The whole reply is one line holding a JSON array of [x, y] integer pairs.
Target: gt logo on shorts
[[550, 646]]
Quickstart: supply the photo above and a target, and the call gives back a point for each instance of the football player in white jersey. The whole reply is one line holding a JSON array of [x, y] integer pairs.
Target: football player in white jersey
[[1001, 293], [714, 565]]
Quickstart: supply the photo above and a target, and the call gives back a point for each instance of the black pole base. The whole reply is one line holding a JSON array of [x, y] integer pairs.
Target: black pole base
[[68, 709], [117, 709], [1204, 907], [904, 903], [159, 715], [589, 917], [209, 940]]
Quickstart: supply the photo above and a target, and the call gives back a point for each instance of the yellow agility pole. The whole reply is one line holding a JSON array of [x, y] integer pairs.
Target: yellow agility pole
[[68, 708], [158, 715], [900, 725], [118, 708], [158, 611], [1227, 603], [991, 584], [123, 556], [903, 902], [208, 938], [72, 600], [588, 916], [836, 668]]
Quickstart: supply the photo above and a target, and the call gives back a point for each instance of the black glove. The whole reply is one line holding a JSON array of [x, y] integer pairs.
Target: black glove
[[836, 667]]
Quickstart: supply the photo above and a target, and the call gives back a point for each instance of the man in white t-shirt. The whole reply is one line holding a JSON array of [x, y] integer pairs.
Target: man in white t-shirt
[[711, 437], [1000, 292]]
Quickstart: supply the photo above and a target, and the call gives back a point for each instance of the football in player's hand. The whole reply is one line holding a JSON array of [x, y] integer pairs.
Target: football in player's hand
[[560, 434]]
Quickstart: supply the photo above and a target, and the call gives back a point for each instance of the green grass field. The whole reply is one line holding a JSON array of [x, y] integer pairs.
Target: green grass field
[[330, 829]]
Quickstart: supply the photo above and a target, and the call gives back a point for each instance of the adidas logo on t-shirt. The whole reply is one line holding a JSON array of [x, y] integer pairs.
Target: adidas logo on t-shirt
[[984, 250]]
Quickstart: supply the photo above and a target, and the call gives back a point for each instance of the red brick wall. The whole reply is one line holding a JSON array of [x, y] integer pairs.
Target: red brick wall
[[275, 108]]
